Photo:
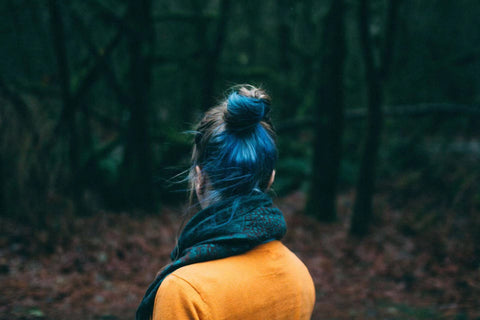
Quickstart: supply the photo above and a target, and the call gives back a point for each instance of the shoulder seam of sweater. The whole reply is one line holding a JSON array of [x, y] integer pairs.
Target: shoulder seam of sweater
[[194, 288]]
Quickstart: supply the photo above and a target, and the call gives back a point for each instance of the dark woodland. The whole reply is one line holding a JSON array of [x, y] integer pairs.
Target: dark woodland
[[376, 104]]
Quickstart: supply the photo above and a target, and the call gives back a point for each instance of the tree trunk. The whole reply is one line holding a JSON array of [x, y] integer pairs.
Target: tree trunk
[[307, 29], [67, 118], [284, 74], [213, 55], [330, 114], [137, 168], [284, 34], [362, 211], [375, 76], [3, 179], [253, 11]]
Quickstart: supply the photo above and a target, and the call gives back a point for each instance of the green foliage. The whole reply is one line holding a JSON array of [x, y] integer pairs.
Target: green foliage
[[273, 44], [292, 173], [293, 166]]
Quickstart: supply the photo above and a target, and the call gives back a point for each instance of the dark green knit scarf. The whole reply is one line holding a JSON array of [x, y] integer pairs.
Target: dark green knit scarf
[[222, 230]]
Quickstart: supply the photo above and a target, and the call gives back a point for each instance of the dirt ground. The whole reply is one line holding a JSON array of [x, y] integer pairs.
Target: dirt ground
[[99, 267]]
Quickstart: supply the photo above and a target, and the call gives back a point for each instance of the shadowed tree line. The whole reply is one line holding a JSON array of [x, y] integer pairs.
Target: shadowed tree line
[[97, 95]]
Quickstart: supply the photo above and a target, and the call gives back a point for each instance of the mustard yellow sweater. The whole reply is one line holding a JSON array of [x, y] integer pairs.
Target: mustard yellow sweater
[[268, 282]]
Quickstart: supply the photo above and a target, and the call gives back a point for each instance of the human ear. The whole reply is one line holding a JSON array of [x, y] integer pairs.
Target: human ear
[[272, 178]]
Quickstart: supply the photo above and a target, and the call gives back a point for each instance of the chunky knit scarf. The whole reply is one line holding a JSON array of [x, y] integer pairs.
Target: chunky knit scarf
[[221, 230]]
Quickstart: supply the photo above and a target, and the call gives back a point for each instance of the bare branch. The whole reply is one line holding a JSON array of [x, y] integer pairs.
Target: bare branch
[[416, 110], [98, 53], [96, 69]]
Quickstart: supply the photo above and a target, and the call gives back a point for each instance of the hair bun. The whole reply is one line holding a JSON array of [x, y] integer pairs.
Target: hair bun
[[245, 112]]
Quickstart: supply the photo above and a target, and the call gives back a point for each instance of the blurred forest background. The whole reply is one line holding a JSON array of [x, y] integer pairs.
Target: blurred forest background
[[376, 105]]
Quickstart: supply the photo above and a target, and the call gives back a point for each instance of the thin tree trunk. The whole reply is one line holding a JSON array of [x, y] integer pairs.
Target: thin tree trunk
[[253, 11], [192, 79], [213, 55], [67, 117], [137, 172], [308, 28], [330, 114], [283, 11], [284, 33]]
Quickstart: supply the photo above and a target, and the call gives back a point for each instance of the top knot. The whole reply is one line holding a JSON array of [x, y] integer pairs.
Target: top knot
[[246, 107]]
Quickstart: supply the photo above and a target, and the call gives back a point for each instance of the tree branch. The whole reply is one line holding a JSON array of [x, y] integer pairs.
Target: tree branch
[[112, 81], [96, 69], [416, 110]]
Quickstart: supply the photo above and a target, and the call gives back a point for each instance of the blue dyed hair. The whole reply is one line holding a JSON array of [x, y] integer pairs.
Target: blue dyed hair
[[235, 146]]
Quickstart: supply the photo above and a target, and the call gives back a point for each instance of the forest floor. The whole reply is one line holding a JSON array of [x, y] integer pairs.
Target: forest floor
[[99, 267]]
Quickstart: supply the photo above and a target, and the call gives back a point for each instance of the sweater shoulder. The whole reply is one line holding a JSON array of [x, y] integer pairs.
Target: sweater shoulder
[[266, 277]]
